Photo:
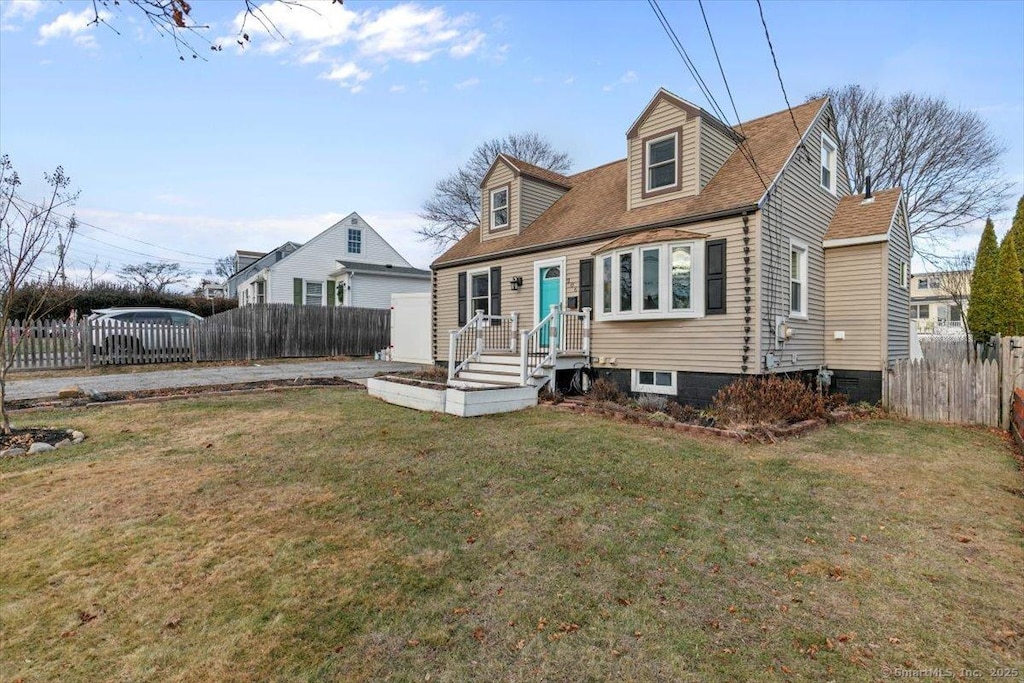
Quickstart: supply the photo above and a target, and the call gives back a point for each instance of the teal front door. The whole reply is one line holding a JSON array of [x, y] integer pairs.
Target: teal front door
[[550, 294]]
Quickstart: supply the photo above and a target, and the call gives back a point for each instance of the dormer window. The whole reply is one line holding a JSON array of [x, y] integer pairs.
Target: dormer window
[[499, 208], [828, 164], [660, 165]]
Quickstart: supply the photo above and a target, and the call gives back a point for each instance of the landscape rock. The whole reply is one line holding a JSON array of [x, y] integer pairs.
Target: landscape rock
[[40, 447], [76, 435], [12, 452], [77, 441], [70, 391], [62, 443], [96, 395]]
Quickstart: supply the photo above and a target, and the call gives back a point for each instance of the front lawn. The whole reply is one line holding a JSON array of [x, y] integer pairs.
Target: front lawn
[[322, 535]]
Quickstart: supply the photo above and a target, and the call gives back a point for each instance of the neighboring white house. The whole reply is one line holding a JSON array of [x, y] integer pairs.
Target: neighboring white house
[[348, 264]]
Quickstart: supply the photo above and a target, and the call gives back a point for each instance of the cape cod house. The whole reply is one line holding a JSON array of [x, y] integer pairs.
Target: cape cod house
[[707, 254], [348, 264]]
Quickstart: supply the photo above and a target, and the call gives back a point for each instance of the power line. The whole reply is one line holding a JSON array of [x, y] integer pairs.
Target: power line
[[141, 253], [691, 67], [778, 73]]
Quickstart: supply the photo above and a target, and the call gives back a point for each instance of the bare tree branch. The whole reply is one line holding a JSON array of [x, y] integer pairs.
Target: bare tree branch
[[955, 281], [946, 159], [154, 276]]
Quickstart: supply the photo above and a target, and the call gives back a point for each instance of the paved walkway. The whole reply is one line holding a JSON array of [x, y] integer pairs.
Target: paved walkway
[[18, 388]]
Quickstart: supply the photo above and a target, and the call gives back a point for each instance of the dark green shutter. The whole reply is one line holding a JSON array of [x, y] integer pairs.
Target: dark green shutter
[[587, 283], [297, 290], [462, 299], [330, 293], [714, 289], [496, 290]]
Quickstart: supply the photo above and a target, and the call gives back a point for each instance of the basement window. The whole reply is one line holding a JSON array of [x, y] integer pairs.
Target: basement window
[[653, 382]]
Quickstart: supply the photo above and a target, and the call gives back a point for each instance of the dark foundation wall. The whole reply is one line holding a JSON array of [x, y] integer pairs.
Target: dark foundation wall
[[858, 385], [693, 388]]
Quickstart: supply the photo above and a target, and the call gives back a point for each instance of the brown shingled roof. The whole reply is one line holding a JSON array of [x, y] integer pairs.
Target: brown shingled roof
[[854, 218], [595, 207], [534, 171], [649, 236]]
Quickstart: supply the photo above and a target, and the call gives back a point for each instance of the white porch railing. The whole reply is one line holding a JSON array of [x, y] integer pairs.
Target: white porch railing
[[559, 333], [482, 334]]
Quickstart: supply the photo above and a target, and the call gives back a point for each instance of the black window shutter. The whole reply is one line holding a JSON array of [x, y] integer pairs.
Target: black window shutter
[[714, 290], [587, 283], [462, 299], [496, 290]]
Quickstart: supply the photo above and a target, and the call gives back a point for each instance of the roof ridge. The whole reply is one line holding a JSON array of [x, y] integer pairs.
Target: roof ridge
[[608, 163], [781, 111]]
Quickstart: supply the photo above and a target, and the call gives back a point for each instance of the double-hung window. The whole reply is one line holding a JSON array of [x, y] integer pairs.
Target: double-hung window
[[499, 208], [314, 293], [652, 281], [661, 156], [828, 164], [479, 292], [798, 279], [261, 292], [355, 241]]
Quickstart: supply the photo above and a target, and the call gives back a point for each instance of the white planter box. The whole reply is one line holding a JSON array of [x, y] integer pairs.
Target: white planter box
[[418, 397], [489, 401]]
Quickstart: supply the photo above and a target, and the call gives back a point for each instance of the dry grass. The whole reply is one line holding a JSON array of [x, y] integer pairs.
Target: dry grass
[[323, 535]]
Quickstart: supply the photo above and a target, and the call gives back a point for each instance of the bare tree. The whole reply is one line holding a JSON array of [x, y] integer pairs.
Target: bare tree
[[946, 159], [30, 234], [955, 281], [174, 19], [154, 276], [454, 208], [223, 267]]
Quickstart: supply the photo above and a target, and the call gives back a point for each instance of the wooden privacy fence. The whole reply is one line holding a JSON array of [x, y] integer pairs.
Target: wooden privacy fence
[[286, 331], [960, 391], [247, 333], [1017, 418]]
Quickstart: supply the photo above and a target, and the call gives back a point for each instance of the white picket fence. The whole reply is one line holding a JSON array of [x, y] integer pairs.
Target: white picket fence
[[958, 390]]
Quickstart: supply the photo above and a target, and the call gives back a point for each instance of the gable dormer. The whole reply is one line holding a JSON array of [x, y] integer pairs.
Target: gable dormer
[[674, 149], [514, 193]]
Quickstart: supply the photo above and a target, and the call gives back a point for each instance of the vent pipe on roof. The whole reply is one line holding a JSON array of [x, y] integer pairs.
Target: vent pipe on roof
[[867, 187]]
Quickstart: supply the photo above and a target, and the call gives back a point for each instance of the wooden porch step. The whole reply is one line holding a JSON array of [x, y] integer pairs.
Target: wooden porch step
[[501, 378]]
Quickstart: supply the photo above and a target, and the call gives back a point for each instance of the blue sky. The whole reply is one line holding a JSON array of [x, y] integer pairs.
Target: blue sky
[[366, 105]]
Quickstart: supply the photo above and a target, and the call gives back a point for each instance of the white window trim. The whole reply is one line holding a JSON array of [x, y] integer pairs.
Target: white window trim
[[634, 383], [348, 241], [804, 251], [323, 292], [647, 162], [825, 138], [664, 311], [507, 207], [904, 275], [547, 263], [469, 290], [256, 292]]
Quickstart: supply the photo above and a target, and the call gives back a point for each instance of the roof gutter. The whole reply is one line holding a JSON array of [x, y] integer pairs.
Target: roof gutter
[[726, 213]]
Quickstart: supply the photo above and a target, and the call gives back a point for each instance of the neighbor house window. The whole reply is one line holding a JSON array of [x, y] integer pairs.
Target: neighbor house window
[[261, 292], [654, 382], [355, 241], [924, 283], [499, 208], [920, 311], [797, 279], [652, 281], [314, 293], [828, 164], [661, 162], [479, 292]]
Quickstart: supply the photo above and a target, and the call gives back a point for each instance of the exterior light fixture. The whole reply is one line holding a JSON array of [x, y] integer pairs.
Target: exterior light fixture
[[515, 283]]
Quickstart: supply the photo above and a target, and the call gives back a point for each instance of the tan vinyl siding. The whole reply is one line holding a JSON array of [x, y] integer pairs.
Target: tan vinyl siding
[[854, 298], [500, 176], [535, 198], [898, 297], [798, 209], [665, 118], [715, 148], [710, 344]]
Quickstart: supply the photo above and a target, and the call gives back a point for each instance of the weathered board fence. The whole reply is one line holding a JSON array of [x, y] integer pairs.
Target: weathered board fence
[[286, 331], [247, 333], [1017, 419], [977, 390]]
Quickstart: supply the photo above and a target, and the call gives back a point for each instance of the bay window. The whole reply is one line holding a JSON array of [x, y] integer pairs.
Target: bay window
[[652, 281]]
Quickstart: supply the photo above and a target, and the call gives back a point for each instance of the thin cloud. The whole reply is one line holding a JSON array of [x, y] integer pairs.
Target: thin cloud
[[626, 79], [468, 83], [347, 75], [14, 11], [74, 25]]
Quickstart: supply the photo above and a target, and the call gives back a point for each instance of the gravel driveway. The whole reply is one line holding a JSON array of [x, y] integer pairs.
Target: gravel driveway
[[18, 389]]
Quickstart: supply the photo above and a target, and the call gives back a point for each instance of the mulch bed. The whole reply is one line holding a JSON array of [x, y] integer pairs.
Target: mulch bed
[[760, 433], [142, 394], [23, 438]]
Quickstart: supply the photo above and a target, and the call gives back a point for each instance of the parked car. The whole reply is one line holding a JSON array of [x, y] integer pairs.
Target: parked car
[[125, 331]]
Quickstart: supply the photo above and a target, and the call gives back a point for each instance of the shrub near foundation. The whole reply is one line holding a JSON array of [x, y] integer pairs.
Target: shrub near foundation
[[767, 401]]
